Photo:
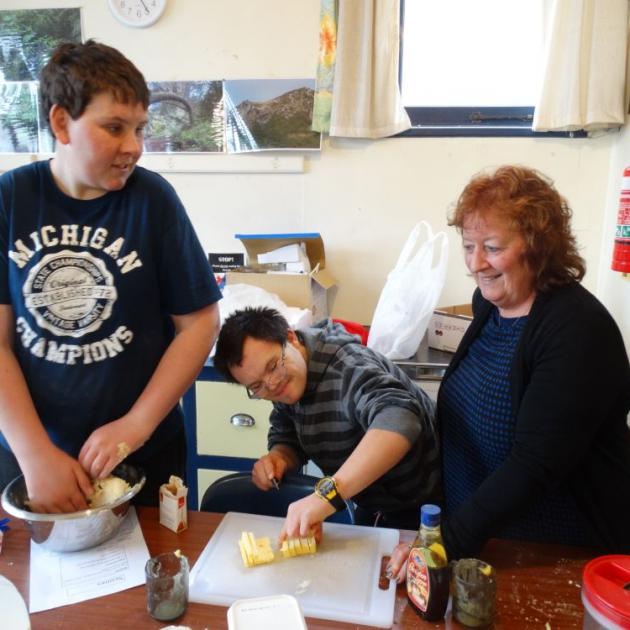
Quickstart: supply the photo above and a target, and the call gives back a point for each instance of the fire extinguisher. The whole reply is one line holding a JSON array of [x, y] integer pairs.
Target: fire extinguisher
[[621, 251]]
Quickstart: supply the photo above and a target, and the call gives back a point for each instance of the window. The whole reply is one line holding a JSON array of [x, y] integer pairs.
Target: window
[[471, 67]]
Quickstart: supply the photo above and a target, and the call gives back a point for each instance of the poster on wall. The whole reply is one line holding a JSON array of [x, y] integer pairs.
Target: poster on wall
[[19, 127], [208, 116], [185, 117], [27, 37], [269, 114]]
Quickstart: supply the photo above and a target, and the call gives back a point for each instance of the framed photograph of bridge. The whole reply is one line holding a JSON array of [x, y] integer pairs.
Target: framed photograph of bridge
[[185, 117]]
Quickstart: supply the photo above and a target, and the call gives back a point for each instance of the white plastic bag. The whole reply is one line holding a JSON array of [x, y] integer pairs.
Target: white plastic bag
[[410, 294], [239, 295]]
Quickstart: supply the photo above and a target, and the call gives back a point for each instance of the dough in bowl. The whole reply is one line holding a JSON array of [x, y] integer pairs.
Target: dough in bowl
[[107, 490]]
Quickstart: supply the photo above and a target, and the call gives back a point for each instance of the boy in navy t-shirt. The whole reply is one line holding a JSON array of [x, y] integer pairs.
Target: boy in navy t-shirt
[[108, 307]]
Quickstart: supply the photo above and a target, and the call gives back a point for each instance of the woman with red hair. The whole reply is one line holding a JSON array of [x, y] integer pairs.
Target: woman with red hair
[[533, 407]]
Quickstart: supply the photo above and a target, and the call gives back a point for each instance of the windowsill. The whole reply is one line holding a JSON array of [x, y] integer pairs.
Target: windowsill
[[444, 131]]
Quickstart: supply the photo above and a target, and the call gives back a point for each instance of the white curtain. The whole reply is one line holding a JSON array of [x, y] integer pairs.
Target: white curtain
[[584, 76], [366, 99]]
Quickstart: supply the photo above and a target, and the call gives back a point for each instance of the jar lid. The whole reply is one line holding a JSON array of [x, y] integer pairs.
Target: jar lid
[[606, 587]]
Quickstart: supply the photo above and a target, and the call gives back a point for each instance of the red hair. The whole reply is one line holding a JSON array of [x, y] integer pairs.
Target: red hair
[[528, 202]]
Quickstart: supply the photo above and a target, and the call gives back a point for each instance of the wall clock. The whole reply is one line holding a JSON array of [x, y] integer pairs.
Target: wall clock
[[137, 13]]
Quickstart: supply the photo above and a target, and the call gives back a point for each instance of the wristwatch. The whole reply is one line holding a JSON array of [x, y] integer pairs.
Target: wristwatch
[[326, 489]]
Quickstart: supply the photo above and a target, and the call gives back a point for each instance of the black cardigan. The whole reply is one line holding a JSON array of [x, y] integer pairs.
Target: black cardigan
[[570, 381]]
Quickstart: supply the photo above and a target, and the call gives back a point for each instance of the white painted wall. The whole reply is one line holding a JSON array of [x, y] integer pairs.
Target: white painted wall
[[363, 196]]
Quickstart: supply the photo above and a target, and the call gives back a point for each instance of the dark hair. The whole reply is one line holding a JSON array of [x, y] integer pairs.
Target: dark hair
[[534, 208], [259, 322], [75, 73]]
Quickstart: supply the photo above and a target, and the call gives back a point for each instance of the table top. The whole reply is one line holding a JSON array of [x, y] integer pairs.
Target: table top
[[536, 585]]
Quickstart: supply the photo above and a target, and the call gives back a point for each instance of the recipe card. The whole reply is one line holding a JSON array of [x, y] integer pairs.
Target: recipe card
[[59, 579]]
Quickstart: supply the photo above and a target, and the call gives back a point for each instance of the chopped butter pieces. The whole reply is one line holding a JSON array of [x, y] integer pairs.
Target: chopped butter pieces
[[298, 547], [258, 550], [255, 550]]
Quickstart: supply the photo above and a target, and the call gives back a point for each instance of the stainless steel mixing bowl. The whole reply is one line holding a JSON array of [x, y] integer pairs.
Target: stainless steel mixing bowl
[[75, 530]]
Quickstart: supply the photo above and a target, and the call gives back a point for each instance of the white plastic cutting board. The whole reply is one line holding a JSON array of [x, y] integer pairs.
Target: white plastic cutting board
[[339, 582]]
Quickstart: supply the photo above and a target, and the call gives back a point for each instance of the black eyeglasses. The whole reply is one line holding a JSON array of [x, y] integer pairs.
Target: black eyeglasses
[[273, 375]]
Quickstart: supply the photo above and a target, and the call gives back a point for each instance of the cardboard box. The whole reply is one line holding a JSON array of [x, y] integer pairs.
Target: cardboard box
[[448, 325], [314, 291]]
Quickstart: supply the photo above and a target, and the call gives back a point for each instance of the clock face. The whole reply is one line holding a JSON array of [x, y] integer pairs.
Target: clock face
[[138, 13]]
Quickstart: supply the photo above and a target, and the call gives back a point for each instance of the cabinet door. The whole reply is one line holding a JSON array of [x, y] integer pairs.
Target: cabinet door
[[224, 414]]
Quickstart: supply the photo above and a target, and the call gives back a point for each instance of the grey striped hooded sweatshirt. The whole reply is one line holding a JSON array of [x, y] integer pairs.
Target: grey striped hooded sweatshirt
[[351, 389]]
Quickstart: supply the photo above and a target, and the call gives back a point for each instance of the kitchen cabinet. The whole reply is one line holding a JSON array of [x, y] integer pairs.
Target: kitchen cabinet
[[225, 431]]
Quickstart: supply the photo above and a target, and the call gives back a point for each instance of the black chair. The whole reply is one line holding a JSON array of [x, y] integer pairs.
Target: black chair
[[237, 493]]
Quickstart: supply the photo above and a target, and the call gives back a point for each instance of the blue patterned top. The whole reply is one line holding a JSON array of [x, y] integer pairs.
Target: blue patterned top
[[478, 431]]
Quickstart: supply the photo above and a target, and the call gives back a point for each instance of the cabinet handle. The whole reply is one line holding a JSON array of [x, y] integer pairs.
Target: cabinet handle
[[242, 420]]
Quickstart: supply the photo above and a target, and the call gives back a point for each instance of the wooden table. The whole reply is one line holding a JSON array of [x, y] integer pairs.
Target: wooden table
[[536, 585]]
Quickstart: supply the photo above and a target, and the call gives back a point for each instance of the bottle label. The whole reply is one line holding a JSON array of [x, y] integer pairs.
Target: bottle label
[[418, 583]]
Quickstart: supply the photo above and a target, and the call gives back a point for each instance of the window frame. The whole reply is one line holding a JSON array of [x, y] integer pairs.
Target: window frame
[[481, 121]]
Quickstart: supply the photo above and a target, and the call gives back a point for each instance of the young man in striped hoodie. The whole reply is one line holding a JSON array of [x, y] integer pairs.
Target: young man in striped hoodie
[[350, 410]]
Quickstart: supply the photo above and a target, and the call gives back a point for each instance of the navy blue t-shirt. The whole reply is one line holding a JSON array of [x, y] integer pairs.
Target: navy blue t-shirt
[[92, 285]]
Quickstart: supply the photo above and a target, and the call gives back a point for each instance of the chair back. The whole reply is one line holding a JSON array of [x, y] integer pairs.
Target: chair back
[[237, 493]]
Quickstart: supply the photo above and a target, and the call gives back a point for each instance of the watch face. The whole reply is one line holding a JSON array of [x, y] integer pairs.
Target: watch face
[[138, 13], [326, 487]]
